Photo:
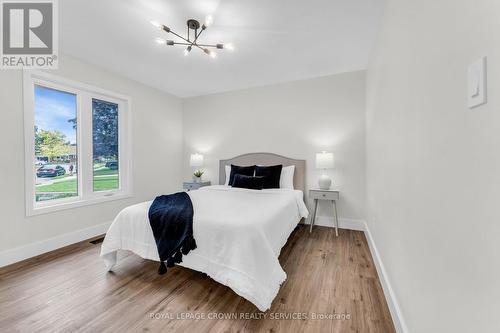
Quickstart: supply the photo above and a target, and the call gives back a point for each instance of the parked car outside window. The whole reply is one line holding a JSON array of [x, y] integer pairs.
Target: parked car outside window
[[112, 165], [50, 170]]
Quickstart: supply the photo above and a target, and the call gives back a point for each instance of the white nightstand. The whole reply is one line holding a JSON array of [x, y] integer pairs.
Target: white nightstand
[[330, 195], [191, 185]]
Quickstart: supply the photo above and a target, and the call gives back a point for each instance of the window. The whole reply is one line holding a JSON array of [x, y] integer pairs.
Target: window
[[77, 144], [55, 144], [105, 145]]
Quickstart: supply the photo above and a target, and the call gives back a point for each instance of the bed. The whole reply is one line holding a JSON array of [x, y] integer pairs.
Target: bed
[[239, 232]]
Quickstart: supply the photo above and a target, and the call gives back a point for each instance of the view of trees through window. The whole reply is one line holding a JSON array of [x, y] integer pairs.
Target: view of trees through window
[[105, 145], [55, 144], [56, 153]]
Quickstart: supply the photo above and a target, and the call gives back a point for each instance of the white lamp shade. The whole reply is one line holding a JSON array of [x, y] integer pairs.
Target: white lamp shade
[[324, 160], [196, 160]]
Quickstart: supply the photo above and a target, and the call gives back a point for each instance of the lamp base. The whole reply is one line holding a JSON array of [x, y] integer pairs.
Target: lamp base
[[324, 182]]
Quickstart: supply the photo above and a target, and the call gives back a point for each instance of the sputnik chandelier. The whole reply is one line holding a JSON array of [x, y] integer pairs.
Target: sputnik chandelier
[[194, 30]]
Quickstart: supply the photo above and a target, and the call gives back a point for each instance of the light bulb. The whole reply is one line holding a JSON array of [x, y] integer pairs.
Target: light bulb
[[186, 52], [160, 41], [209, 20], [213, 54], [229, 46], [155, 23]]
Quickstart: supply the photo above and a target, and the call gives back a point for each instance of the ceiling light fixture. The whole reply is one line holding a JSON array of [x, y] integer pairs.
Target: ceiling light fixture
[[193, 28], [209, 20]]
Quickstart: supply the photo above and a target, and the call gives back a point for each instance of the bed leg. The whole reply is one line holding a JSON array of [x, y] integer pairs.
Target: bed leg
[[109, 260]]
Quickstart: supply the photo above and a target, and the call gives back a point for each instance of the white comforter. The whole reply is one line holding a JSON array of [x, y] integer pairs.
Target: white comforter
[[239, 234]]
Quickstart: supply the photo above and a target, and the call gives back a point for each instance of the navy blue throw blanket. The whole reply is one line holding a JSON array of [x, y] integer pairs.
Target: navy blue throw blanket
[[171, 218]]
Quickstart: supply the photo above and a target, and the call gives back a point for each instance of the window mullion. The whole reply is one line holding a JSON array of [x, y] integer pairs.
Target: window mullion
[[122, 137], [85, 162]]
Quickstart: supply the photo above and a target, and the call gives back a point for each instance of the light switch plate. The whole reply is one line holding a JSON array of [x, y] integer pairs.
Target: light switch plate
[[477, 83]]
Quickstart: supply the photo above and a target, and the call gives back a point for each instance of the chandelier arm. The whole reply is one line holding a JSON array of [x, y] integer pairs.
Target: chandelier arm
[[198, 46], [195, 44], [207, 45], [196, 35], [192, 43], [188, 41], [181, 43]]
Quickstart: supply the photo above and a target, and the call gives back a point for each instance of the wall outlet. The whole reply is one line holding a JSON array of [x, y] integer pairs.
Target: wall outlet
[[477, 83]]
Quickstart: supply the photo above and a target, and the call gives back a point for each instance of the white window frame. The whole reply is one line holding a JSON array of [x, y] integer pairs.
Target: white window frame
[[84, 93]]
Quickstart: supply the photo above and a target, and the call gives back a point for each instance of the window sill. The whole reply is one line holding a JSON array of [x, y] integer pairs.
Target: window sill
[[32, 211]]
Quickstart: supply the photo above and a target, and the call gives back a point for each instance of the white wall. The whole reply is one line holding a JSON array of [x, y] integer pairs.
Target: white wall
[[295, 119], [157, 151], [433, 165]]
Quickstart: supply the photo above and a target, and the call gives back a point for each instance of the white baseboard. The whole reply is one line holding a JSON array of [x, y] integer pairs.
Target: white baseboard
[[351, 224], [390, 296], [17, 254]]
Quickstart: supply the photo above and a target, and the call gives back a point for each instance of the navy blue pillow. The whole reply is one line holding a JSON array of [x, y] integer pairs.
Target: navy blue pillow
[[250, 182], [271, 174], [240, 170]]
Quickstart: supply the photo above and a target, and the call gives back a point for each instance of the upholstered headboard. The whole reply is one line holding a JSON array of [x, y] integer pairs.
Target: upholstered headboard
[[266, 159]]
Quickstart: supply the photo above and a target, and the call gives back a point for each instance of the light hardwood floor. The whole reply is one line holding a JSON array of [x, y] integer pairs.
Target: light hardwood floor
[[68, 290]]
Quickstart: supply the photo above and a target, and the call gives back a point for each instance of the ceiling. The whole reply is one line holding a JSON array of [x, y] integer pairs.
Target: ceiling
[[275, 40]]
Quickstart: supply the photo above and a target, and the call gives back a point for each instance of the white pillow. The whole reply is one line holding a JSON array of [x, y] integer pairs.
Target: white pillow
[[228, 173], [286, 177]]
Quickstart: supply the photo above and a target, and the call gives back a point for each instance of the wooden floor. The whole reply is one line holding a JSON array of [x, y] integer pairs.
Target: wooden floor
[[68, 290]]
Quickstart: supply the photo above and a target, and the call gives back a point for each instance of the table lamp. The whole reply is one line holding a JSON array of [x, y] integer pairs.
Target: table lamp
[[324, 161]]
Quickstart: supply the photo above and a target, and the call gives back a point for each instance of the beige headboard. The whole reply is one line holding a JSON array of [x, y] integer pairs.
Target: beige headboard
[[266, 159]]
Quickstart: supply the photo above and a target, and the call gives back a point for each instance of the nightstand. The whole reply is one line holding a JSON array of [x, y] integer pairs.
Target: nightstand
[[191, 185], [329, 195]]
